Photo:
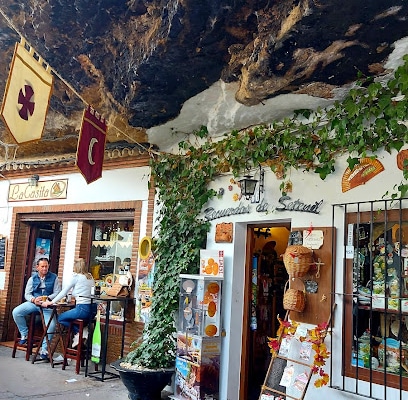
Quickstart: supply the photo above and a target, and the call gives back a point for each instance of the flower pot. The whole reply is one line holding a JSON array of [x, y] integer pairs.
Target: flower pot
[[143, 384]]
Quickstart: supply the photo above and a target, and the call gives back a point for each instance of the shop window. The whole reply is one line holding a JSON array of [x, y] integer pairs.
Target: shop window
[[111, 251], [375, 296]]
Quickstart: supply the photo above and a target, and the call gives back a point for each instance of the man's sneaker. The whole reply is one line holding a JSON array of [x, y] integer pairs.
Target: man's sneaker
[[75, 341], [23, 341], [44, 356]]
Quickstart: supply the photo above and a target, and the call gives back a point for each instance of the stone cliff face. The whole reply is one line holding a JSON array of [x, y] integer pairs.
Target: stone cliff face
[[138, 62]]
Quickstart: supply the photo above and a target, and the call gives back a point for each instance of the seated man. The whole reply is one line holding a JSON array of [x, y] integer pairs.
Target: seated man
[[43, 283]]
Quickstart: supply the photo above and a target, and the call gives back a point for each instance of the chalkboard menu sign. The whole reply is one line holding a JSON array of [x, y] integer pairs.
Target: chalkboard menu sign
[[2, 252]]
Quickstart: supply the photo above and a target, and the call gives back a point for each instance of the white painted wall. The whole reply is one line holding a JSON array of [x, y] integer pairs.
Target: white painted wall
[[69, 252], [115, 185]]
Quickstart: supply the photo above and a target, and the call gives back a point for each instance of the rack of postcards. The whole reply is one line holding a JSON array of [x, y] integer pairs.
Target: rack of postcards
[[199, 330], [297, 354]]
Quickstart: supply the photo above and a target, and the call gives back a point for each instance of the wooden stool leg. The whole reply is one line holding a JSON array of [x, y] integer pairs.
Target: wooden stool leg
[[16, 340], [32, 338], [74, 354]]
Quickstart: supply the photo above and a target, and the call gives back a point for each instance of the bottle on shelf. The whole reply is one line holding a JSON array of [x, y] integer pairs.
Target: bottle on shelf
[[98, 233], [104, 232]]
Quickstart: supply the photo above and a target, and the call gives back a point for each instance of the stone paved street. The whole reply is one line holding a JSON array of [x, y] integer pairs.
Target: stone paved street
[[19, 379]]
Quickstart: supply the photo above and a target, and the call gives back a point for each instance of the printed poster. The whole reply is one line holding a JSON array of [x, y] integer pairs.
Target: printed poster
[[42, 250], [144, 288]]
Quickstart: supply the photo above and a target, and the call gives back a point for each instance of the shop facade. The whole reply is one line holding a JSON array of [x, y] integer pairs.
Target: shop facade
[[330, 213], [122, 204], [63, 218]]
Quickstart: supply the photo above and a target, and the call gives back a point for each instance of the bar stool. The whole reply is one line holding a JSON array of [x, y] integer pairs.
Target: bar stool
[[78, 354], [33, 337]]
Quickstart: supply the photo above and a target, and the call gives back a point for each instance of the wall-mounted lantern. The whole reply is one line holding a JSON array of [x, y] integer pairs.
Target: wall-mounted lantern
[[33, 180], [248, 185]]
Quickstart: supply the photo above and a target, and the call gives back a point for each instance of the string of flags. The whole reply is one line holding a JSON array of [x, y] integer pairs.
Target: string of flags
[[25, 106], [27, 94]]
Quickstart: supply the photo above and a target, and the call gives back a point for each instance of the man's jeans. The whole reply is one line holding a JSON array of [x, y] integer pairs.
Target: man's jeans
[[19, 314]]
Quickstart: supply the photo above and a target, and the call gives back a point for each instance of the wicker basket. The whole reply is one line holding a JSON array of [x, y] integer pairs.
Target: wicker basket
[[297, 260], [294, 299]]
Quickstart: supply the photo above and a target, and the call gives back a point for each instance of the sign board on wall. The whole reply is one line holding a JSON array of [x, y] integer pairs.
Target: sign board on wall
[[3, 243], [45, 190]]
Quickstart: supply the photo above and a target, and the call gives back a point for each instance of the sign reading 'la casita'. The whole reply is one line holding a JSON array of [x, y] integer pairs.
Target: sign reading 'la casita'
[[47, 190]]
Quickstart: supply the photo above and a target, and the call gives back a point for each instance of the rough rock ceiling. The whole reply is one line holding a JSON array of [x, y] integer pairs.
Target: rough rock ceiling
[[229, 63]]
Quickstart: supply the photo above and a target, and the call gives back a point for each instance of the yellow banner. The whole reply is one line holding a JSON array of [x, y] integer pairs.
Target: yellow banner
[[27, 95]]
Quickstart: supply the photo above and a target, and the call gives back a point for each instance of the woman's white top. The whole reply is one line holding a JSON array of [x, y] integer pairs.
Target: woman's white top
[[80, 285]]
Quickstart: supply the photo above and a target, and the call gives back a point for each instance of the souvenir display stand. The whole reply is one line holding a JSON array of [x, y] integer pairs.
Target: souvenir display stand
[[289, 372], [293, 361], [198, 338]]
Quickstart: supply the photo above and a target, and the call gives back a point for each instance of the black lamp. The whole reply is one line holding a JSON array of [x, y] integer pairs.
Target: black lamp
[[248, 185]]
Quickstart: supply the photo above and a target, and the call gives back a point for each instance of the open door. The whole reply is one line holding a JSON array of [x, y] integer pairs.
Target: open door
[[44, 241], [265, 281]]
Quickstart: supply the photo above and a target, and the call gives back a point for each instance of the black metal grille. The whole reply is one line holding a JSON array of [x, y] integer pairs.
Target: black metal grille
[[373, 294]]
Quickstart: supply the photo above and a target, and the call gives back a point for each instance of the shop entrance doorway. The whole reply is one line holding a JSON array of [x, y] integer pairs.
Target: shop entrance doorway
[[266, 278], [44, 241]]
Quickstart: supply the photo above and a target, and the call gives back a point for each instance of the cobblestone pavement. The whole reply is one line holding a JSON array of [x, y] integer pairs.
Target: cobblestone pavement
[[19, 380]]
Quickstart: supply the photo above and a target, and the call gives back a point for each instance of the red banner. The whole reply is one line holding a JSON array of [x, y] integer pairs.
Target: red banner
[[91, 145], [27, 94]]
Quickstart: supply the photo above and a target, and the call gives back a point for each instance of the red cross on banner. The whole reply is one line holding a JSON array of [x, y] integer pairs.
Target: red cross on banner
[[91, 145], [27, 94]]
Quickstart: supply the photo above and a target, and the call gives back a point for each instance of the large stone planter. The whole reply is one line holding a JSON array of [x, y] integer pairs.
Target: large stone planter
[[143, 384]]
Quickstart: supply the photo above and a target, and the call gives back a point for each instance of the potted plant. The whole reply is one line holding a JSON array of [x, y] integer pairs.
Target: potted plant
[[176, 250]]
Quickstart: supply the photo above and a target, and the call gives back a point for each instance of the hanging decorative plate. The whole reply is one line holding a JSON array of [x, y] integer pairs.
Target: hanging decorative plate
[[109, 279], [311, 286], [401, 157], [145, 247], [395, 328]]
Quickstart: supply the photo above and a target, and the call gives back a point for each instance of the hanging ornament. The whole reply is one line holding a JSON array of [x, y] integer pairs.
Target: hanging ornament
[[288, 186]]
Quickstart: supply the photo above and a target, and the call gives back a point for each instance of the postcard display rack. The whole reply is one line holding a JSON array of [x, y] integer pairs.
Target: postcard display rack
[[199, 330], [290, 370]]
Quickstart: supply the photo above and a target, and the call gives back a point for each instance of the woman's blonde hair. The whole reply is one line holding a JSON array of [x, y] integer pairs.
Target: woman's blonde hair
[[80, 268]]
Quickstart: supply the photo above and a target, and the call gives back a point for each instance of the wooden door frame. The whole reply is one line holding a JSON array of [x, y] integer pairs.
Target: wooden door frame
[[243, 386], [246, 336]]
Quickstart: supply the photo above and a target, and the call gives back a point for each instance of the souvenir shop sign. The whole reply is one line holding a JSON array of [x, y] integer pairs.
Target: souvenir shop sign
[[45, 190], [287, 204], [210, 213]]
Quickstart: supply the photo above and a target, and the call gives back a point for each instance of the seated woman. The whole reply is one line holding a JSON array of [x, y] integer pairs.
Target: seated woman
[[81, 284]]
